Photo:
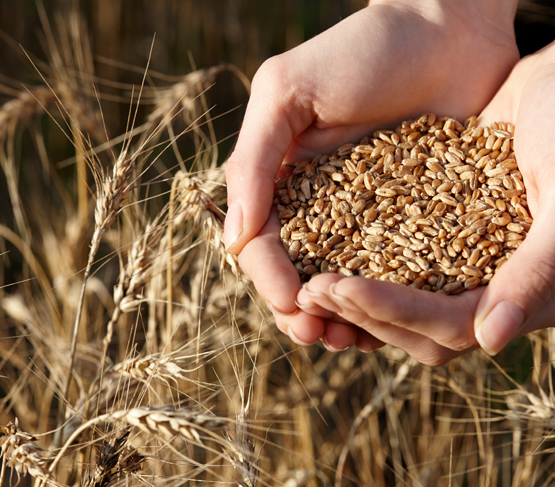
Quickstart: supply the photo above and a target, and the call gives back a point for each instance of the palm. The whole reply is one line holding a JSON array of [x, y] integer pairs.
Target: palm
[[435, 328], [389, 65]]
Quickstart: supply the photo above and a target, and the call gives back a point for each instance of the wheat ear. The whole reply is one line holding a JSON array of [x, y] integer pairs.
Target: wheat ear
[[166, 421], [242, 455], [19, 451]]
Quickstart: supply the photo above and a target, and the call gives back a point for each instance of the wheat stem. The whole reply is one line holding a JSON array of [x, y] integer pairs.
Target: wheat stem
[[94, 248], [169, 270]]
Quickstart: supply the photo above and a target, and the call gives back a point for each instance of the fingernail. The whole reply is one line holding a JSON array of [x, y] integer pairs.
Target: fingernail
[[330, 348], [233, 227], [500, 326], [310, 293], [304, 306], [366, 351], [485, 347], [341, 300], [280, 313], [296, 339]]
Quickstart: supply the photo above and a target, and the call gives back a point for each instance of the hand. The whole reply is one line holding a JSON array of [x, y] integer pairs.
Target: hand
[[435, 328], [391, 61]]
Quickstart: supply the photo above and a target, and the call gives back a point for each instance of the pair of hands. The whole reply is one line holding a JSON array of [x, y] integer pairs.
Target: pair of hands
[[393, 61]]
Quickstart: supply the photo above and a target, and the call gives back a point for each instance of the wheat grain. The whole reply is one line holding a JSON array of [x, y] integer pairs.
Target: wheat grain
[[109, 458], [134, 275], [20, 109], [431, 198], [147, 368], [117, 460]]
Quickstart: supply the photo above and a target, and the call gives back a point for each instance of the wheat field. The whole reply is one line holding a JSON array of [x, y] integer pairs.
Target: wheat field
[[132, 349]]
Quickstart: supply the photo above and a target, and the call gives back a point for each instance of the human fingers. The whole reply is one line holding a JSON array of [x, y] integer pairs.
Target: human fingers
[[366, 342], [524, 285], [447, 320], [302, 328], [265, 262], [278, 110], [422, 348], [338, 336]]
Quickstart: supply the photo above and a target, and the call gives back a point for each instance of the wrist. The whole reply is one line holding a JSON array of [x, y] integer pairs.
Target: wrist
[[467, 48], [494, 13]]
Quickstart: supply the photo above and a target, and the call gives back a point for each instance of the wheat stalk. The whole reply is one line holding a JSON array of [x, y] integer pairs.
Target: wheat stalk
[[111, 191], [132, 278], [13, 113], [378, 401]]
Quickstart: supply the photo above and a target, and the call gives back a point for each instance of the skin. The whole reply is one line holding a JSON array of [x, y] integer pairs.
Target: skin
[[395, 60], [435, 328]]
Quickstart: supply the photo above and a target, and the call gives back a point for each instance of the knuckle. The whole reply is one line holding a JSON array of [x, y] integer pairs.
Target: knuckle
[[540, 283], [433, 354], [269, 74], [454, 340], [232, 168], [434, 359]]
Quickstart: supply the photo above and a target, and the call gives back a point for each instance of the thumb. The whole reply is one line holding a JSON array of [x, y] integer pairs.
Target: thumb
[[519, 289], [527, 280], [274, 116]]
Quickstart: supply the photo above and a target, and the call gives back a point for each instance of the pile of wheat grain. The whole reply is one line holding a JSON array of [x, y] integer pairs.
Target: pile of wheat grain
[[433, 204]]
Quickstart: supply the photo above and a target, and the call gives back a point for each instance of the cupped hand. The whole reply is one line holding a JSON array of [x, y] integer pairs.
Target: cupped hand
[[435, 328], [391, 61]]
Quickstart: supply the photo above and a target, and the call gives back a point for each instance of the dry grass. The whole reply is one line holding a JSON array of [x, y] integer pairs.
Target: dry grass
[[178, 374]]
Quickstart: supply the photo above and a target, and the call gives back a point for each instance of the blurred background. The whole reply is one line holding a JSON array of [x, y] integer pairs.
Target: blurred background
[[195, 34], [190, 34]]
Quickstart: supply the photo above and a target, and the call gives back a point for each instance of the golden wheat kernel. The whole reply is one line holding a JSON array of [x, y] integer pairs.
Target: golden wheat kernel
[[312, 247], [485, 280], [483, 261], [311, 237], [472, 283], [452, 287], [472, 271], [499, 235], [513, 236], [461, 278], [340, 222], [493, 249], [521, 211], [513, 244], [474, 194], [310, 269]]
